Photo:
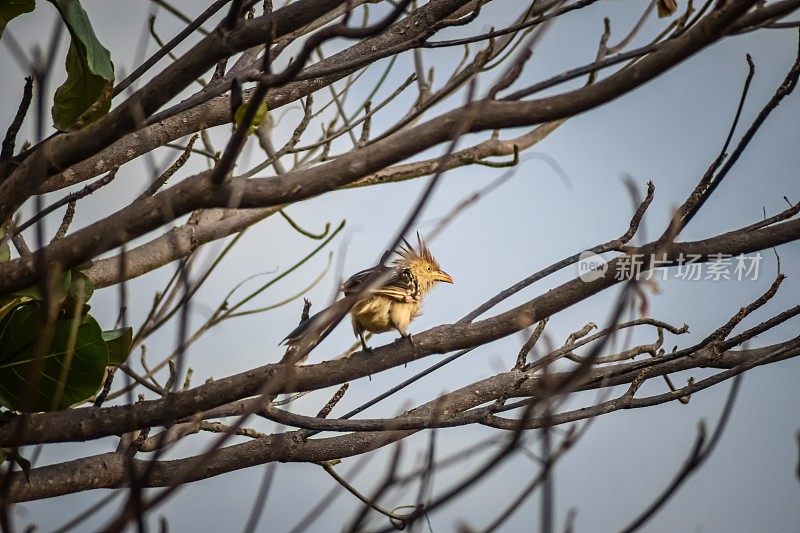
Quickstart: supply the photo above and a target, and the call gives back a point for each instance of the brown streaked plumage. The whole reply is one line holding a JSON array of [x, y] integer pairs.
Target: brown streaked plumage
[[393, 304]]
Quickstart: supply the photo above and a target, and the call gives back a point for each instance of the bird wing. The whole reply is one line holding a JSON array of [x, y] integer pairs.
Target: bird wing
[[400, 285]]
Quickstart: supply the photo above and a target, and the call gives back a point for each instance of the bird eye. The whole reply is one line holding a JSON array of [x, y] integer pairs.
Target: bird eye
[[429, 269]]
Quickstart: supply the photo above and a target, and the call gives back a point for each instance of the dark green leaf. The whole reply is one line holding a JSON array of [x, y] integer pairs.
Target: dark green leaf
[[10, 9], [119, 343], [86, 95], [69, 373]]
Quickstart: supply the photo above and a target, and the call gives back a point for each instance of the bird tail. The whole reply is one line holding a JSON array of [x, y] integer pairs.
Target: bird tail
[[313, 330]]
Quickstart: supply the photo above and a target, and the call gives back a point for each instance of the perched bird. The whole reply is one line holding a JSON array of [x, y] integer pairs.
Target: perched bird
[[392, 304]]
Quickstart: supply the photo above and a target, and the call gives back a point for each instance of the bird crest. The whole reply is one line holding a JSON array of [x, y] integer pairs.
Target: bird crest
[[409, 254]]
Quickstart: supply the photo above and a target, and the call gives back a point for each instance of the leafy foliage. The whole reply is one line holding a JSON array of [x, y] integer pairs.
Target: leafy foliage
[[86, 94], [118, 341], [46, 367]]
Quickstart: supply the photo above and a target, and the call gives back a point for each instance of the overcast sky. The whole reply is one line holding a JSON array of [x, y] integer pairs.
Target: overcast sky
[[667, 131]]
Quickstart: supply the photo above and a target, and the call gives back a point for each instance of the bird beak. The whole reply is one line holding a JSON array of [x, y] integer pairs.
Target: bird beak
[[441, 275]]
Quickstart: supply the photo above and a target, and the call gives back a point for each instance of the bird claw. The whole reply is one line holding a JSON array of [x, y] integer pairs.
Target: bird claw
[[364, 345], [408, 337]]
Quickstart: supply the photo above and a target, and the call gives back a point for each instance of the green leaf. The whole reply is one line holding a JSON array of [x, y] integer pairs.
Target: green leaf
[[258, 119], [118, 342], [86, 95], [71, 371], [7, 303], [80, 290], [71, 291], [61, 288], [10, 9], [81, 286], [5, 251]]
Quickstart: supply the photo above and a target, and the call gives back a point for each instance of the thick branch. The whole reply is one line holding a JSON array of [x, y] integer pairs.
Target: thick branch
[[217, 111], [89, 423], [62, 151], [150, 213], [109, 470], [218, 223]]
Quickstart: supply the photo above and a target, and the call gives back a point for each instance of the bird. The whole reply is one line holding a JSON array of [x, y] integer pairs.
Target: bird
[[392, 304]]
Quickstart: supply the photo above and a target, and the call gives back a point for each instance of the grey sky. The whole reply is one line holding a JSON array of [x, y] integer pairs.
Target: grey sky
[[668, 131]]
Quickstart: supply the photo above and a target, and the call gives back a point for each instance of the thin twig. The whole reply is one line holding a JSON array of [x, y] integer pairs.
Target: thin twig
[[69, 214], [72, 197], [701, 451], [161, 180], [11, 134]]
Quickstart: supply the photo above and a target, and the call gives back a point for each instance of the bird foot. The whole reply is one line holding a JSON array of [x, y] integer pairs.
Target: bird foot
[[408, 337], [364, 344]]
